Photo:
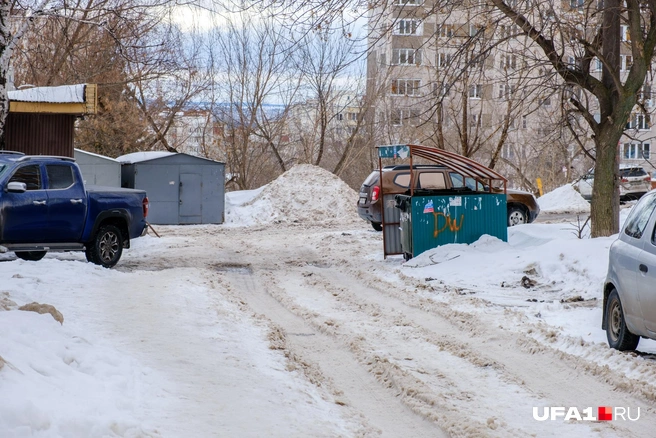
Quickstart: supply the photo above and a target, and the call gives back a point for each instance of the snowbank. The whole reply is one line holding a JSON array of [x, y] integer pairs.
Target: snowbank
[[303, 194], [563, 200]]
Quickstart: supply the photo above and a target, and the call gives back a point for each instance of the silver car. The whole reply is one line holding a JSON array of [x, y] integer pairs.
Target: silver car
[[634, 182], [630, 286]]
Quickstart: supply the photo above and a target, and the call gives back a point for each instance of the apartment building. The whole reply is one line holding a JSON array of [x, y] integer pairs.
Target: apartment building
[[462, 78], [196, 132]]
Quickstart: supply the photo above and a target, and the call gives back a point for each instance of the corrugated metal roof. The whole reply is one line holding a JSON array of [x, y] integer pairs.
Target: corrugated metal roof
[[462, 164]]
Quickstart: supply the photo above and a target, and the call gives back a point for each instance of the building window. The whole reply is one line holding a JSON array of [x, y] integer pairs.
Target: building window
[[406, 87], [407, 27], [352, 116], [475, 91], [475, 30], [508, 62], [626, 61], [639, 121], [636, 151], [524, 122], [576, 4], [597, 65], [446, 30], [506, 91], [508, 151], [645, 95], [507, 31], [408, 2], [406, 57], [443, 59], [546, 101], [404, 116], [441, 91], [395, 117], [625, 35]]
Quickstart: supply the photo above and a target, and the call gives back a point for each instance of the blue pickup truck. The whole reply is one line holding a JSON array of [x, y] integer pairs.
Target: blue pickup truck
[[44, 206]]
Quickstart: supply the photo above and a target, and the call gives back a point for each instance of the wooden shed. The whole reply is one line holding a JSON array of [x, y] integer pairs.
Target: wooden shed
[[41, 120]]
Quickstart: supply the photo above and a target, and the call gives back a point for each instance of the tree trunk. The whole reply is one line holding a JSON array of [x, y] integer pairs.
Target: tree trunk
[[604, 210]]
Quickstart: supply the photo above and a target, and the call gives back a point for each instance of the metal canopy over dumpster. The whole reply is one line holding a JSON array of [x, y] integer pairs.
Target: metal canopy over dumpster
[[424, 219]]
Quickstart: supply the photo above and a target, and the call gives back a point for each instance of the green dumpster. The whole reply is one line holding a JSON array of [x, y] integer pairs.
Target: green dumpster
[[428, 221]]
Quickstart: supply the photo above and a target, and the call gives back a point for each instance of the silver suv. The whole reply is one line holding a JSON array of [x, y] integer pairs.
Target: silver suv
[[634, 182], [629, 310]]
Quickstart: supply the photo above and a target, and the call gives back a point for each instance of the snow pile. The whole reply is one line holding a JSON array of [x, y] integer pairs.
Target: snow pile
[[563, 200], [127, 362], [303, 194], [560, 264], [61, 380]]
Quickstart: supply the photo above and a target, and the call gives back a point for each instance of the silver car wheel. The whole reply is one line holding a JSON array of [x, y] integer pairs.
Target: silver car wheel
[[615, 323]]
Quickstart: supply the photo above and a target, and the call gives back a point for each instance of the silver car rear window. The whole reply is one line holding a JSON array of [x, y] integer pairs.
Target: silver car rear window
[[637, 220]]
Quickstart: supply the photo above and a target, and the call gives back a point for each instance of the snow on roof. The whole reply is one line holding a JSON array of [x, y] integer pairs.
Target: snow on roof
[[95, 155], [61, 94], [136, 157]]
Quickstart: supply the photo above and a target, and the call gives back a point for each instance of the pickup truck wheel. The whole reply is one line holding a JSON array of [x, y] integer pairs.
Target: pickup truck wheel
[[32, 256], [377, 226], [107, 247]]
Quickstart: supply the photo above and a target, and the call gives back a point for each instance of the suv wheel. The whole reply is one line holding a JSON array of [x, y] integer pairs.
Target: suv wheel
[[377, 226], [517, 216]]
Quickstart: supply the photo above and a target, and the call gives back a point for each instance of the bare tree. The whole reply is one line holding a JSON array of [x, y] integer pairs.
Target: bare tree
[[571, 41], [79, 49], [324, 57], [255, 85], [112, 16]]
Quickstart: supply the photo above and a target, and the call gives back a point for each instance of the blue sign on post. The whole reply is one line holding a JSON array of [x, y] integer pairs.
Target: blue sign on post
[[394, 151]]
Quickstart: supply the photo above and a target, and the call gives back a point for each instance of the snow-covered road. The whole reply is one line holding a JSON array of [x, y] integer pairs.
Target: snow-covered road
[[395, 361]]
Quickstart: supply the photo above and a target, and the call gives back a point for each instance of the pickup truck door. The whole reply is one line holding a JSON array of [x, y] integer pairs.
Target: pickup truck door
[[67, 203], [25, 215]]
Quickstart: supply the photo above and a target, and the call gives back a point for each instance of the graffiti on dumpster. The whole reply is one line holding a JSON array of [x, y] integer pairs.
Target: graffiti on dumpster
[[449, 222]]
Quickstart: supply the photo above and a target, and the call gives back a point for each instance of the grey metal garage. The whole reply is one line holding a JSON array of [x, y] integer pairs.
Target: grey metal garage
[[98, 169], [182, 188]]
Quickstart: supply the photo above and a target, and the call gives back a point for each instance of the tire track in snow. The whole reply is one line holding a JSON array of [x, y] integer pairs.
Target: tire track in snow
[[329, 363], [440, 379]]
